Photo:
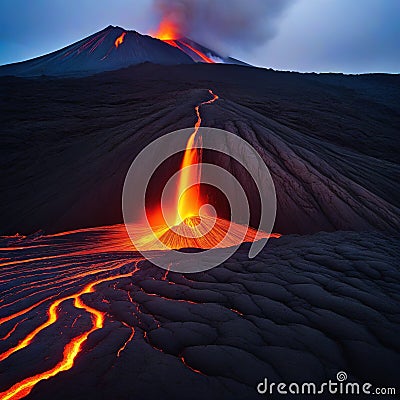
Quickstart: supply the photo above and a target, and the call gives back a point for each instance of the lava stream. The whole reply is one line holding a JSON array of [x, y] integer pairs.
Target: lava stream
[[71, 350], [180, 44], [52, 317], [188, 200], [190, 229]]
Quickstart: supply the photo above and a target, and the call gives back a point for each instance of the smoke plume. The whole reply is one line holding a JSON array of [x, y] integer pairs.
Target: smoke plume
[[224, 25]]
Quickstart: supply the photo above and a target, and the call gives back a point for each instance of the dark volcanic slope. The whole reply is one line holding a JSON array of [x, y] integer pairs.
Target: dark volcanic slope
[[99, 52], [111, 49], [330, 141], [304, 309]]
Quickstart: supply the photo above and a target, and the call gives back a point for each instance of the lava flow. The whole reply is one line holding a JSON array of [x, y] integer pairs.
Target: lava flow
[[188, 201], [191, 227], [71, 350], [28, 279], [183, 45]]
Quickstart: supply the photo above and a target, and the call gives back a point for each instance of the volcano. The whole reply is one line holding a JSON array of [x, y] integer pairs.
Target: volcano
[[114, 48]]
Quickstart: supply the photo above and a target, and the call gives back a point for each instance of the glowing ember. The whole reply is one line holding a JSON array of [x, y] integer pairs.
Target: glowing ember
[[120, 39]]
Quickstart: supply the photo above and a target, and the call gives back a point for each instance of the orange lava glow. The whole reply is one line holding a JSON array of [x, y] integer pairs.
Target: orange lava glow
[[170, 33], [52, 315], [203, 233], [72, 349], [13, 329], [188, 203], [167, 30], [180, 44], [120, 39], [188, 200], [199, 53], [123, 347], [190, 229]]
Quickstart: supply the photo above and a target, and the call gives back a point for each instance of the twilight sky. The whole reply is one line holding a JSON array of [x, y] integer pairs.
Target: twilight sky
[[350, 36]]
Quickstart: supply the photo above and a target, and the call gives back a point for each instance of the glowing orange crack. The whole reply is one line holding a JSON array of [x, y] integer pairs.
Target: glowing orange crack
[[71, 350], [24, 311], [123, 347], [13, 329]]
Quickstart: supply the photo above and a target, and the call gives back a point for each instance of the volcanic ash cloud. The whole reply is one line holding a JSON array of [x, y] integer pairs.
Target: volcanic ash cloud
[[224, 25]]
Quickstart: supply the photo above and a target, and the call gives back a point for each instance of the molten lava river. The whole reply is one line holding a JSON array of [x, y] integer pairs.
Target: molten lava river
[[51, 308]]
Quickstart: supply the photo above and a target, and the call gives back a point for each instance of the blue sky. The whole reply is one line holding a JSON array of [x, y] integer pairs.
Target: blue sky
[[350, 36]]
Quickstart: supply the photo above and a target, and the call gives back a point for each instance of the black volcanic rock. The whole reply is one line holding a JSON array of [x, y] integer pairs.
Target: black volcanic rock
[[330, 142], [305, 308]]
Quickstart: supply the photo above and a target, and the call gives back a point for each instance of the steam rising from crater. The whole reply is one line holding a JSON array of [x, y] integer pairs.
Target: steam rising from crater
[[223, 25]]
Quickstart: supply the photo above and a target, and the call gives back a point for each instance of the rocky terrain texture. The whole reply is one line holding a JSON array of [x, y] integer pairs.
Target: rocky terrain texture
[[322, 298], [304, 309], [330, 142]]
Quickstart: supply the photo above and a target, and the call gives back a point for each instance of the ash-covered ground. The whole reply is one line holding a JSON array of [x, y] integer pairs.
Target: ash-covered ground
[[330, 142]]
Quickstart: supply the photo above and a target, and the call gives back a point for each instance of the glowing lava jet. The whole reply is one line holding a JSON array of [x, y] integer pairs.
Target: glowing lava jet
[[189, 201], [191, 225]]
